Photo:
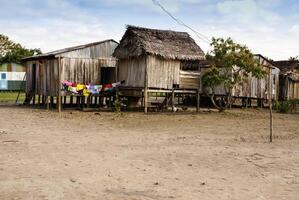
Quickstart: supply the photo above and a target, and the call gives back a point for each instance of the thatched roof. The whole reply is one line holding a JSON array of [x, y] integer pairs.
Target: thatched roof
[[289, 68], [139, 41]]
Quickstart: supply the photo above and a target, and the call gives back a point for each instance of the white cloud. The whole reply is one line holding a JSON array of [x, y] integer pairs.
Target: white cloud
[[248, 10], [295, 30], [171, 5]]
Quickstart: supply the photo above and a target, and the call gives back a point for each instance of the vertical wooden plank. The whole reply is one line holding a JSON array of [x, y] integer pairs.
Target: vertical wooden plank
[[48, 102], [270, 105], [145, 86], [38, 100], [198, 101], [172, 99], [71, 101], [59, 86]]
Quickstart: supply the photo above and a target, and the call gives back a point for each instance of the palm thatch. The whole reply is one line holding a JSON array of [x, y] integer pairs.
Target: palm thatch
[[289, 68], [139, 41]]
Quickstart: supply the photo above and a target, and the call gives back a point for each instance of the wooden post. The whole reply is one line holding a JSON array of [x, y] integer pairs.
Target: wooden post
[[48, 102], [145, 88], [172, 99], [43, 101], [33, 100], [59, 86], [38, 100], [166, 96], [88, 101], [270, 105], [71, 100], [198, 100]]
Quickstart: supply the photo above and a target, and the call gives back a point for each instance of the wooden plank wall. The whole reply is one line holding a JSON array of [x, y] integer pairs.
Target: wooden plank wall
[[293, 90], [45, 79], [162, 73], [87, 71], [102, 50], [189, 79], [253, 87], [132, 70]]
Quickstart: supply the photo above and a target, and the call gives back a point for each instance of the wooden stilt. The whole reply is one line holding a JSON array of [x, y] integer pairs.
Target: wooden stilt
[[145, 99], [71, 101], [38, 100], [95, 101], [198, 101], [33, 100], [88, 101], [172, 99], [52, 101], [83, 101], [44, 99], [48, 102]]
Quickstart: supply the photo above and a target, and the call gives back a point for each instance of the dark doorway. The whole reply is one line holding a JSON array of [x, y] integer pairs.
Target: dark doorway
[[107, 75]]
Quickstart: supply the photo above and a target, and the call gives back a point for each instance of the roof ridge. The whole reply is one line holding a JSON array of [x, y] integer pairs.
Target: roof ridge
[[155, 30]]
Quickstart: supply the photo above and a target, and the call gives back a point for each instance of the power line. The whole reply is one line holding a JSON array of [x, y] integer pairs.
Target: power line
[[180, 22]]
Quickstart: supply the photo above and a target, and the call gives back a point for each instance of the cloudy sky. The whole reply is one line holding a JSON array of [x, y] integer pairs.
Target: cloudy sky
[[269, 27]]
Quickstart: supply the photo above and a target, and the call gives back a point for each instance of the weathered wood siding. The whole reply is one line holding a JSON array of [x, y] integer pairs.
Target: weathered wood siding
[[189, 79], [293, 90], [132, 70], [102, 50], [45, 79], [162, 73], [79, 66], [87, 71], [253, 87]]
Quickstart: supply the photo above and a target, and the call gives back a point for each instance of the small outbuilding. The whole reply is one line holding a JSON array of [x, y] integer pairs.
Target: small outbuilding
[[253, 88], [12, 77], [158, 60], [85, 64], [289, 79]]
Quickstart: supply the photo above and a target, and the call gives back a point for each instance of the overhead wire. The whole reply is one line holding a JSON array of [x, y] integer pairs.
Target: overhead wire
[[180, 22]]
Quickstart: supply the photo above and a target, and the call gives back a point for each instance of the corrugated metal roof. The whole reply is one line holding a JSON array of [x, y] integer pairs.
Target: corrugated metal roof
[[57, 52]]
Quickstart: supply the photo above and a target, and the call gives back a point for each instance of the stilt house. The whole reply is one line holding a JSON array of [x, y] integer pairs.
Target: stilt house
[[87, 64], [158, 59], [288, 79], [253, 88]]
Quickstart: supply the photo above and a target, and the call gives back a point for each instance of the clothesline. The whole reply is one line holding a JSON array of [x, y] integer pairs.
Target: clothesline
[[87, 90]]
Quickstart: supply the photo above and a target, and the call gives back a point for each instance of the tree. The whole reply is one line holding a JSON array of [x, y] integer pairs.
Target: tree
[[231, 64], [14, 52], [296, 58]]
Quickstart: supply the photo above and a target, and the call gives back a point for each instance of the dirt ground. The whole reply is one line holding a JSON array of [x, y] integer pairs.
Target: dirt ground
[[79, 155]]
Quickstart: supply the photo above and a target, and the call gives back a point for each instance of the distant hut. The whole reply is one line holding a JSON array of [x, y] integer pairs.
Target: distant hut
[[289, 79], [87, 64], [158, 60], [253, 88], [12, 77]]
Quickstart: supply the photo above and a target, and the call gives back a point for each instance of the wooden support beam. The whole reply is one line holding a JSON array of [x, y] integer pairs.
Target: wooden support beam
[[270, 105], [172, 99], [48, 102], [198, 100], [59, 86], [145, 99], [145, 87], [71, 100], [33, 99], [38, 100]]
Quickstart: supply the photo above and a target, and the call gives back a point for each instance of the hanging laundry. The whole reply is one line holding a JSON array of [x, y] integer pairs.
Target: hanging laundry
[[89, 89]]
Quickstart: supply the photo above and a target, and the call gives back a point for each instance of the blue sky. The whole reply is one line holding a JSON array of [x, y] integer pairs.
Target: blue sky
[[269, 27]]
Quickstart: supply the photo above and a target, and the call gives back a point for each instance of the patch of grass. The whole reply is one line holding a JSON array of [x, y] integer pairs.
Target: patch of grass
[[10, 97]]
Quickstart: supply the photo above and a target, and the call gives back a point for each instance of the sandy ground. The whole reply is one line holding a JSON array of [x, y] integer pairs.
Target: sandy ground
[[76, 155]]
